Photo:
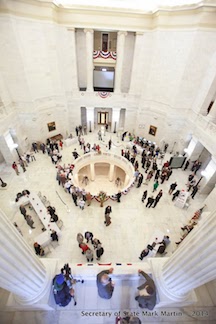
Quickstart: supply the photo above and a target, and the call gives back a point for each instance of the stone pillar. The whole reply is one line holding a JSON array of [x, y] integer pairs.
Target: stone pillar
[[111, 172], [208, 177], [193, 264], [21, 271], [115, 119], [194, 149], [212, 114], [90, 118], [73, 58], [119, 61], [92, 171], [9, 153], [136, 73], [89, 57]]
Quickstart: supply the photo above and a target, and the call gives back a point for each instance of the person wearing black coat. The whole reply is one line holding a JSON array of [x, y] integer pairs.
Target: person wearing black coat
[[89, 237], [144, 195], [118, 196], [147, 292], [150, 201]]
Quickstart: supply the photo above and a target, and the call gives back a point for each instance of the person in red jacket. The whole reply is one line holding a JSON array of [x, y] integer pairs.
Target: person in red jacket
[[84, 247], [15, 167]]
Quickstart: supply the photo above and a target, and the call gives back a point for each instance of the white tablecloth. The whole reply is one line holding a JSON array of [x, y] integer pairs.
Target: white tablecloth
[[42, 213], [157, 237], [70, 141]]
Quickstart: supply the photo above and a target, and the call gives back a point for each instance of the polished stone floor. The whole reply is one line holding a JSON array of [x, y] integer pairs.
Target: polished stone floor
[[132, 223]]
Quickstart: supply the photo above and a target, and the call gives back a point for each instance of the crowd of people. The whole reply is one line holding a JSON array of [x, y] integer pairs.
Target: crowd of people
[[89, 251], [156, 247], [186, 229]]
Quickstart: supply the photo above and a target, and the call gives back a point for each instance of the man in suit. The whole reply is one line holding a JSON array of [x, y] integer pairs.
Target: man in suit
[[104, 284], [147, 292]]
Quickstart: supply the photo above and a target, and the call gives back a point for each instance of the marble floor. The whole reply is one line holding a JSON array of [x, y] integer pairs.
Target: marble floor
[[132, 224]]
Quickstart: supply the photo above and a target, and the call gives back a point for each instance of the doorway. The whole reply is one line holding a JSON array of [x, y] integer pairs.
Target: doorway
[[102, 118]]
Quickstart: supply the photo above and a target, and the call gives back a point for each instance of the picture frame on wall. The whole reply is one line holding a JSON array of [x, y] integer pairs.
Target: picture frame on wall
[[51, 126], [152, 130]]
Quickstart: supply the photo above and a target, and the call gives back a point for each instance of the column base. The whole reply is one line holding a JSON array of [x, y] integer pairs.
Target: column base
[[166, 298], [41, 302]]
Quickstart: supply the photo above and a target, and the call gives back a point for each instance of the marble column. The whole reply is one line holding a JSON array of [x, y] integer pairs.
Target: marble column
[[111, 172], [194, 149], [193, 264], [115, 119], [119, 60], [21, 271], [89, 57], [90, 118], [73, 58], [136, 73], [92, 171], [208, 177]]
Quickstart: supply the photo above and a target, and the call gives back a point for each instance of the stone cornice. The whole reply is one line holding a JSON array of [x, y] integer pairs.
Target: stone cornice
[[196, 16]]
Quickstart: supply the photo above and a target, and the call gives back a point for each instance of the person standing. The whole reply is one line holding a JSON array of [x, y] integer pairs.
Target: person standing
[[22, 165], [144, 195], [186, 164], [15, 167], [99, 135], [81, 203], [99, 251], [172, 187], [84, 247], [88, 198], [176, 194], [104, 284], [23, 211], [107, 219], [118, 196], [155, 186], [158, 197], [150, 201], [80, 238], [89, 255], [110, 144], [89, 237], [74, 197], [140, 180], [30, 221], [194, 192], [77, 130], [147, 292]]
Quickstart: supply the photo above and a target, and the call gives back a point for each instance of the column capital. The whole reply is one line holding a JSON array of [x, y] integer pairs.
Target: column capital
[[139, 33], [88, 30], [122, 33], [71, 29]]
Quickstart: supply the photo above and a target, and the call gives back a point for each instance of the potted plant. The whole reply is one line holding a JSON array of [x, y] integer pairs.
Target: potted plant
[[102, 196]]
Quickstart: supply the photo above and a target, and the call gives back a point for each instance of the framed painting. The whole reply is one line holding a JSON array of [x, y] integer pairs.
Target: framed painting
[[51, 126], [152, 130]]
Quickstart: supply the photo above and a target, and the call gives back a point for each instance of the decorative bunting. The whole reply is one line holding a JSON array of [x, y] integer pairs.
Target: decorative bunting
[[104, 55], [103, 94]]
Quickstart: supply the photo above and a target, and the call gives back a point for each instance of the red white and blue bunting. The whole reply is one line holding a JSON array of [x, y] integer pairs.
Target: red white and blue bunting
[[104, 94], [104, 55]]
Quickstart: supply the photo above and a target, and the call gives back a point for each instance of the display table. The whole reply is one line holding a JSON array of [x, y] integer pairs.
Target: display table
[[56, 137], [182, 199], [43, 215], [157, 237], [70, 141]]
